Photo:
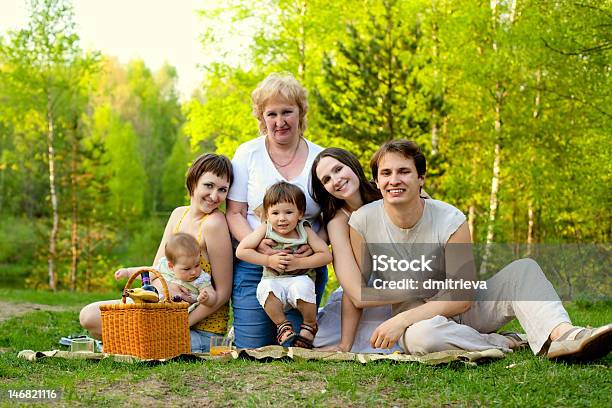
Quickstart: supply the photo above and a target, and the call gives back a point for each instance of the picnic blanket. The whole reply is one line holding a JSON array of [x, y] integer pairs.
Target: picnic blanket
[[270, 353]]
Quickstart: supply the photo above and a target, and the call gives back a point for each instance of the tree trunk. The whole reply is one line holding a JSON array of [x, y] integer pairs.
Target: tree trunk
[[54, 207], [493, 201], [516, 247], [435, 115], [530, 226], [87, 247], [530, 205], [390, 90], [472, 221], [302, 41], [500, 95], [2, 171], [74, 234], [434, 133]]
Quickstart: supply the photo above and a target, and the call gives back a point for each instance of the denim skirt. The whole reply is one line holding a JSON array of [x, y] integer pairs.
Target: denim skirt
[[252, 326], [200, 340]]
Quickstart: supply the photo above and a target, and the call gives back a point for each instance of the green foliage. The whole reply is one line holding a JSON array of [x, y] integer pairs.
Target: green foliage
[[371, 91], [141, 241], [21, 238], [124, 172], [175, 170], [18, 248], [223, 119], [84, 142], [459, 77], [156, 121]]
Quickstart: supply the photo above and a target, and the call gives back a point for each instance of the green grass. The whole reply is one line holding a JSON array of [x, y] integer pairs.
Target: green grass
[[60, 298], [520, 379]]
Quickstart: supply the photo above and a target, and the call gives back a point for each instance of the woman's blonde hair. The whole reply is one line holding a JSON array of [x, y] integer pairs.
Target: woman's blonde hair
[[287, 87]]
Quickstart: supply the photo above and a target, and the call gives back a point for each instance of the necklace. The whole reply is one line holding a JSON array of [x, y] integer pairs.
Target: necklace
[[278, 165]]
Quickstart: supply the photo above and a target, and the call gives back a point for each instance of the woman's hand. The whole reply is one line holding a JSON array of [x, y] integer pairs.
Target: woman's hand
[[335, 347], [266, 247], [303, 251], [388, 333], [293, 265]]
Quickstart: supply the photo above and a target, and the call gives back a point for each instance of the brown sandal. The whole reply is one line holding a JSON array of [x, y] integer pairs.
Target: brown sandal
[[301, 341], [285, 334]]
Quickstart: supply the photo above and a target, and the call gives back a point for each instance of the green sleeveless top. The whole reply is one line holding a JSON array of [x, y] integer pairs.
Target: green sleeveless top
[[288, 243]]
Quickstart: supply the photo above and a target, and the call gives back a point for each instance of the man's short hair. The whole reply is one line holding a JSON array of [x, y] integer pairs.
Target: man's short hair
[[406, 148]]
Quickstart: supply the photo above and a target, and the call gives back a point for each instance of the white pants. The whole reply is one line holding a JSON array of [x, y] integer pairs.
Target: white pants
[[493, 308], [288, 290]]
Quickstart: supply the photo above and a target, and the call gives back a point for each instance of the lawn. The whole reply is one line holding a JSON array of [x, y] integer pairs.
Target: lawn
[[520, 379]]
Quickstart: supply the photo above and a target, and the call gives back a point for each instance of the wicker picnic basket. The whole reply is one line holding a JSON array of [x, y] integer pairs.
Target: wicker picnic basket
[[146, 330]]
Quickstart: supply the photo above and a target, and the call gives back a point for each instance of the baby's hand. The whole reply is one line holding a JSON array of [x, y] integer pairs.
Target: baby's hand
[[123, 273], [207, 296], [279, 261], [177, 290]]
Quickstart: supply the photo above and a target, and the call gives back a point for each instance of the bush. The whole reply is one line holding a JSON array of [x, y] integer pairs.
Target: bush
[[20, 240], [140, 242]]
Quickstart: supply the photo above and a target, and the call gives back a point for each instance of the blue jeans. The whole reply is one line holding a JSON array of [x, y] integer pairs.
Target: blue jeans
[[200, 340], [252, 326]]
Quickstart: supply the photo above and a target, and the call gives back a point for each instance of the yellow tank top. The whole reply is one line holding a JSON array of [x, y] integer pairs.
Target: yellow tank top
[[217, 321]]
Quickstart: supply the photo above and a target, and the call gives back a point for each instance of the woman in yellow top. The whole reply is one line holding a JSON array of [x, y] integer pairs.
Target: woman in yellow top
[[208, 182]]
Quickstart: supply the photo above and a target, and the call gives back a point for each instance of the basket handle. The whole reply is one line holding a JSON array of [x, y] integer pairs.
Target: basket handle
[[128, 284]]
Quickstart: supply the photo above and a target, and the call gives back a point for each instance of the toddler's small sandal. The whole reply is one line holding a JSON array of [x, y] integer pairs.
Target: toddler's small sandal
[[301, 341], [285, 334]]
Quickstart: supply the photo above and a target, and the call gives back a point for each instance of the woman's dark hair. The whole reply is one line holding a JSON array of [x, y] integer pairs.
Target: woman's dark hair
[[330, 204], [217, 164]]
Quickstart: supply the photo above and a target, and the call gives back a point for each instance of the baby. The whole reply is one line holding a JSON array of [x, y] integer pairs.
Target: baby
[[287, 280], [181, 266]]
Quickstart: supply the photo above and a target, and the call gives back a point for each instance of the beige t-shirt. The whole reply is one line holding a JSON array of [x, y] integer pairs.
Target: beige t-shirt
[[425, 240]]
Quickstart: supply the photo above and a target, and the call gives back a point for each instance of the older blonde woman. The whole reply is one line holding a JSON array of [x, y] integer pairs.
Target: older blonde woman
[[280, 153]]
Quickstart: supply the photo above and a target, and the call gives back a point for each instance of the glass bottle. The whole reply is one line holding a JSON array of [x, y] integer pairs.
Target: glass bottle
[[146, 283]]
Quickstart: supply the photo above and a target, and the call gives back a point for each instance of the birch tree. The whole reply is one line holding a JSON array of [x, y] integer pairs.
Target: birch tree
[[43, 57], [499, 21]]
